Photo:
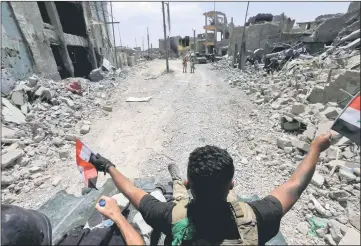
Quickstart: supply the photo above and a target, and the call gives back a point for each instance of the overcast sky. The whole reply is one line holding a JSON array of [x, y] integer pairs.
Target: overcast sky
[[135, 17]]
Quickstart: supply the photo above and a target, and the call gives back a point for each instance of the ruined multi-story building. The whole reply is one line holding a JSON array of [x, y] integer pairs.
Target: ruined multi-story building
[[53, 39], [215, 22]]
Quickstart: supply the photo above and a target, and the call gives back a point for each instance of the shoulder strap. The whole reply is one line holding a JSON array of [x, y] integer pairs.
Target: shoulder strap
[[179, 211], [246, 223]]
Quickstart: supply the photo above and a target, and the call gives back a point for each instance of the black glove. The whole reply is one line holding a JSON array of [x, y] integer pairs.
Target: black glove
[[101, 164]]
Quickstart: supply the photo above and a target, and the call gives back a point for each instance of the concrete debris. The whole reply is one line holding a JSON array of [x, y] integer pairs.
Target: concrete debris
[[317, 179], [84, 129], [335, 230], [108, 108], [354, 219], [10, 157], [96, 75], [300, 145], [106, 65], [339, 195], [12, 113], [283, 142], [352, 237], [332, 112], [298, 108], [346, 174], [303, 228], [19, 97], [138, 99], [44, 93], [32, 81]]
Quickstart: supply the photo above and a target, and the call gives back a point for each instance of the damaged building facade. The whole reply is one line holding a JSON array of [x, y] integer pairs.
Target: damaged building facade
[[54, 40]]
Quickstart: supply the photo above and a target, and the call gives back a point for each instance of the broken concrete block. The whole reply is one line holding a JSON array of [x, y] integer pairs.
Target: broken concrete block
[[68, 102], [56, 181], [331, 153], [10, 157], [288, 150], [352, 237], [354, 219], [348, 80], [57, 142], [107, 66], [323, 127], [332, 112], [12, 113], [329, 240], [339, 195], [96, 75], [283, 142], [32, 81], [84, 129], [7, 132], [300, 145], [317, 179], [259, 101], [297, 108], [291, 124], [40, 135], [18, 97], [275, 106], [7, 180], [335, 230], [347, 153], [43, 93], [302, 227], [35, 169], [347, 174], [70, 137], [63, 153], [108, 108], [25, 109], [310, 132], [317, 95]]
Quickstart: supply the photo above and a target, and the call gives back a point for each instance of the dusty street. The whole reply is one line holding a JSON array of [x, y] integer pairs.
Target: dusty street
[[186, 111]]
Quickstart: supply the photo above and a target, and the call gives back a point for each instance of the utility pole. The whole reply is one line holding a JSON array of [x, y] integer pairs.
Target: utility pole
[[168, 17], [243, 43], [215, 27], [136, 43], [115, 49], [142, 45], [165, 38], [148, 42]]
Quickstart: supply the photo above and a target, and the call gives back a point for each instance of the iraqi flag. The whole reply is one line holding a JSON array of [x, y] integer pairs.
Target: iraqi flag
[[87, 170], [348, 122]]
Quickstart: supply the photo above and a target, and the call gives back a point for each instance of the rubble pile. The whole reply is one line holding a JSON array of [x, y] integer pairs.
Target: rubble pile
[[41, 119], [302, 101]]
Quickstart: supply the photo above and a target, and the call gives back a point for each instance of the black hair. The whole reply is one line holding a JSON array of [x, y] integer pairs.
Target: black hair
[[209, 169]]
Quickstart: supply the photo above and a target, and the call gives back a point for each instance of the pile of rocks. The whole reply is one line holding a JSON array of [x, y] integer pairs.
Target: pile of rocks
[[302, 101], [41, 119]]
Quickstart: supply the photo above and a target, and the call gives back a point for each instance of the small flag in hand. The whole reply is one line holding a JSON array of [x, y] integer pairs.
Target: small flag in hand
[[348, 122]]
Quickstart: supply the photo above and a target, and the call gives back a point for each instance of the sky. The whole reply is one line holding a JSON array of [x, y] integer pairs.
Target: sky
[[135, 17]]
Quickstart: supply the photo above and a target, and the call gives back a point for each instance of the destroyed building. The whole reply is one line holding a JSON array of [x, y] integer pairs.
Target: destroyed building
[[215, 22], [53, 40]]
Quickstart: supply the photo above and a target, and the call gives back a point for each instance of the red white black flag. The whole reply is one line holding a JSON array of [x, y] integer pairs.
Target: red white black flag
[[348, 122]]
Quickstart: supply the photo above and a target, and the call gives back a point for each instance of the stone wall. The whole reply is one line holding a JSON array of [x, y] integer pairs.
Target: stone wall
[[15, 54], [328, 30], [28, 18]]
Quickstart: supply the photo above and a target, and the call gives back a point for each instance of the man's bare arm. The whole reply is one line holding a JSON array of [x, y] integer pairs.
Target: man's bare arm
[[289, 192], [111, 210], [131, 237], [131, 192], [126, 187]]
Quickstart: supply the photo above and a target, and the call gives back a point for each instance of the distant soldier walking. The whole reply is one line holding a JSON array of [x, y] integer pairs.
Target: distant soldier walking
[[184, 62]]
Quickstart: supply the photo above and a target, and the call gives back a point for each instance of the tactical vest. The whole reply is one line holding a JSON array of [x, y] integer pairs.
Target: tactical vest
[[244, 217]]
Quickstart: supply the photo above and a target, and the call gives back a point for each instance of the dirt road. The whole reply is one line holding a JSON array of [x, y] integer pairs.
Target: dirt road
[[186, 111]]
